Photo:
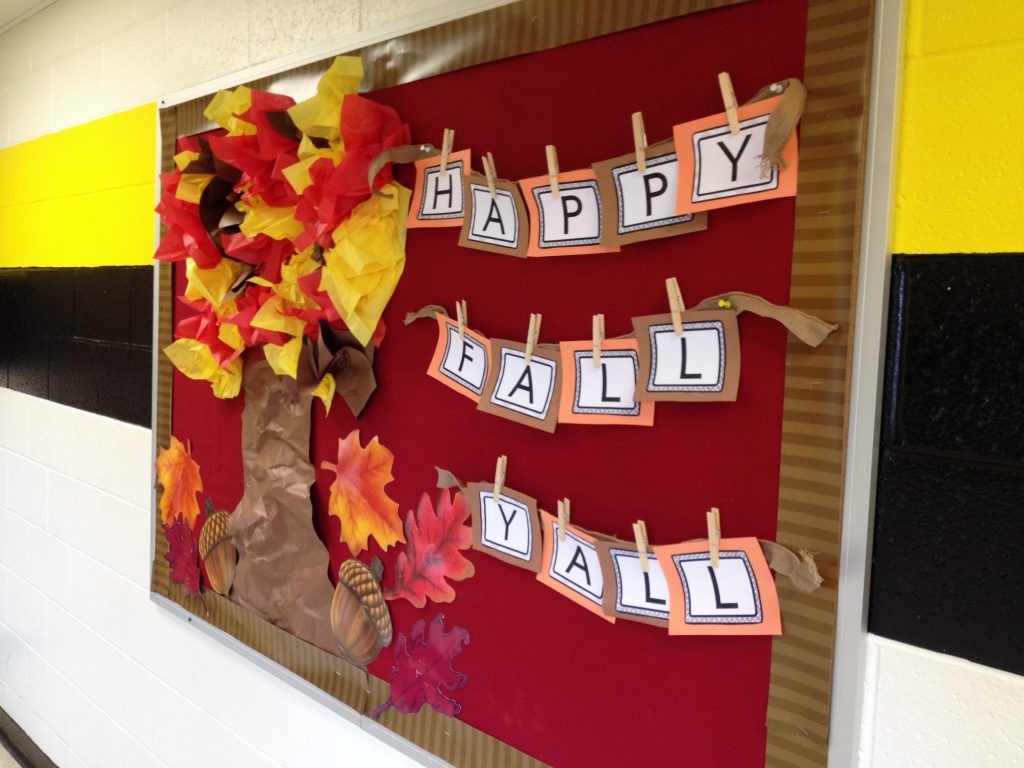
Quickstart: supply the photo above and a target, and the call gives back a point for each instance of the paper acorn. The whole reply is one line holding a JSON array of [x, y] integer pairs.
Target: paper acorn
[[359, 615], [217, 550]]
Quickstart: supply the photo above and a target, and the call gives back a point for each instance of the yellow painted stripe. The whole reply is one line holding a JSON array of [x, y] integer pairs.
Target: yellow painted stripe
[[82, 197], [960, 179]]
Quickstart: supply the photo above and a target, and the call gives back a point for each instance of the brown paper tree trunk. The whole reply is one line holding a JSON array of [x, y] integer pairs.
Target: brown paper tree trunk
[[282, 567]]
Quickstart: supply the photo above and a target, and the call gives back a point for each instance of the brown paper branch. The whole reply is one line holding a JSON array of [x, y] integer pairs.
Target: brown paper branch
[[446, 479], [407, 153], [809, 329], [428, 311], [801, 570], [340, 354], [783, 119]]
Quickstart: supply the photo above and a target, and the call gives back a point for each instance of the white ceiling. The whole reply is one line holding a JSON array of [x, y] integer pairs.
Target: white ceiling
[[14, 11]]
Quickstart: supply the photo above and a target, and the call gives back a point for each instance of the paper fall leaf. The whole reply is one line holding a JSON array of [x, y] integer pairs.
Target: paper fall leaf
[[358, 498], [433, 541], [184, 559], [423, 667], [179, 475]]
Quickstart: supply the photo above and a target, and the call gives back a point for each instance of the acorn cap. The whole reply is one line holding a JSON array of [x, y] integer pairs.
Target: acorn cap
[[364, 583], [215, 530]]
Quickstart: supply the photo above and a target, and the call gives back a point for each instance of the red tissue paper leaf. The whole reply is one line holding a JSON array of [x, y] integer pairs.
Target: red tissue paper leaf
[[184, 558], [423, 666], [433, 541]]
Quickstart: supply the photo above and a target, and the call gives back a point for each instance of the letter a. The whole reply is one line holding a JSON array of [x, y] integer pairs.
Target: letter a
[[525, 383], [493, 214], [579, 560]]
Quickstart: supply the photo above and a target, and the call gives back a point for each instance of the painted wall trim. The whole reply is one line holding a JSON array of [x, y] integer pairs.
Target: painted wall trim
[[866, 385], [305, 87]]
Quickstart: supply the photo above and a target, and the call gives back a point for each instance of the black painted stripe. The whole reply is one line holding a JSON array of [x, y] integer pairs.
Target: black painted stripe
[[950, 505], [79, 336]]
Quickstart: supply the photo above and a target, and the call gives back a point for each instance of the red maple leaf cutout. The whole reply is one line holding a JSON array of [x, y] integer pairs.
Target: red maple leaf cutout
[[423, 666], [184, 558], [433, 541]]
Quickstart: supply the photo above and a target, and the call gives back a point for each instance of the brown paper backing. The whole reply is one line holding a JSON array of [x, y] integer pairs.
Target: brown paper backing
[[608, 569], [522, 241], [550, 421], [610, 221], [825, 258], [732, 357], [472, 496]]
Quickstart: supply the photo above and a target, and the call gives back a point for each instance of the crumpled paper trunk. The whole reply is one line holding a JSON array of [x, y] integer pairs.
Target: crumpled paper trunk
[[282, 572]]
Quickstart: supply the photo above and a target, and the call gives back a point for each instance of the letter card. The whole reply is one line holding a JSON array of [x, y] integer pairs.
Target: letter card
[[572, 566], [701, 365], [633, 593], [718, 168], [507, 527], [567, 224], [497, 224], [604, 394], [736, 598], [461, 364], [438, 199], [642, 206], [528, 394]]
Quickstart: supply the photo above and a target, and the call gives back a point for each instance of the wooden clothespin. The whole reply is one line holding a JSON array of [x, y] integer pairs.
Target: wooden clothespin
[[640, 534], [598, 334], [446, 148], [552, 169], [640, 141], [675, 303], [499, 475], [532, 335], [563, 518], [729, 99], [460, 311], [491, 174], [714, 535]]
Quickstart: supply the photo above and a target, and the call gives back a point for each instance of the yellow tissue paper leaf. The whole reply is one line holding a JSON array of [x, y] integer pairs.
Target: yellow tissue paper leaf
[[269, 318], [225, 105], [284, 358], [194, 359], [278, 223], [362, 270], [320, 115], [191, 186], [325, 391], [297, 174], [230, 335], [183, 159], [211, 284]]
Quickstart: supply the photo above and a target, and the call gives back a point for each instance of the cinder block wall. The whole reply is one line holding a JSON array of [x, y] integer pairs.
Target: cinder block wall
[[93, 671], [945, 598]]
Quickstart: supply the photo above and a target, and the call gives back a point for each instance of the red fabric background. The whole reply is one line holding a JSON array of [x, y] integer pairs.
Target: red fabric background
[[545, 675]]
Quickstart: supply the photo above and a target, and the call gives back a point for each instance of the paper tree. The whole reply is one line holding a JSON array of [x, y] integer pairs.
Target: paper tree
[[290, 262]]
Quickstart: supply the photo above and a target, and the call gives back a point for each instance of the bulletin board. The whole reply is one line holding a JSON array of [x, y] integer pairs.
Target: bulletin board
[[549, 683]]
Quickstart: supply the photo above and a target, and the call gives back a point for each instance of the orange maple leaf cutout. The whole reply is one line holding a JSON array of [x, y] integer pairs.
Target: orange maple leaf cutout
[[178, 473], [358, 499], [432, 551]]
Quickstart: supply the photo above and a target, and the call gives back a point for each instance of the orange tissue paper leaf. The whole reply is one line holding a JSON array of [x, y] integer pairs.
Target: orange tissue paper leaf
[[432, 551], [184, 559], [358, 499], [178, 473], [423, 666]]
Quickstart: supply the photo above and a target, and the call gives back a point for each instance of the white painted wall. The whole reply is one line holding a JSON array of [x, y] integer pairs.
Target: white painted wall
[[927, 710], [94, 672]]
